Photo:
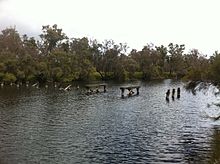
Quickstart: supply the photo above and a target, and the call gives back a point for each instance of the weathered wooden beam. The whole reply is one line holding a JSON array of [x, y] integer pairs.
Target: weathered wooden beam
[[130, 87], [91, 88], [95, 85], [122, 92]]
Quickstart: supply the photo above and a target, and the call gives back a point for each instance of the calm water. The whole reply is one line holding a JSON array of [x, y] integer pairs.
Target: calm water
[[51, 126]]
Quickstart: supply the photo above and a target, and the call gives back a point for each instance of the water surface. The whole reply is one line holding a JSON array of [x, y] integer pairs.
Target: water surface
[[52, 126]]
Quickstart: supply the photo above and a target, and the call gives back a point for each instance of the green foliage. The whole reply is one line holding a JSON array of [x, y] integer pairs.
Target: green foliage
[[95, 76], [20, 76], [68, 79], [1, 76], [10, 41], [57, 74], [31, 78], [138, 75], [9, 77], [2, 67], [86, 69], [122, 75], [51, 38], [167, 75], [156, 73], [193, 75], [215, 68], [71, 77], [58, 59], [109, 75]]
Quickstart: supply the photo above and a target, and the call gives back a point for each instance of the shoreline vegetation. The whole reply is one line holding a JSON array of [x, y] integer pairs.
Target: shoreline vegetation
[[56, 58]]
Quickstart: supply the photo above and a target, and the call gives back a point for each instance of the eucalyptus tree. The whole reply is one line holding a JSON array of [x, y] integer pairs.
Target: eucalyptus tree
[[51, 38], [83, 53], [97, 51], [11, 50], [162, 56], [215, 66], [10, 41], [176, 61]]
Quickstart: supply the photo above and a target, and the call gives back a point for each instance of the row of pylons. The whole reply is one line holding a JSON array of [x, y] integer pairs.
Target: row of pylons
[[27, 84], [36, 85], [173, 93]]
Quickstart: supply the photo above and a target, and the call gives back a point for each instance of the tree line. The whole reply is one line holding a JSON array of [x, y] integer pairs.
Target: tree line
[[57, 58]]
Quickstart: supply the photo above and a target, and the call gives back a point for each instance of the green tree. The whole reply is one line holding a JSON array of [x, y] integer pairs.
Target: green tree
[[10, 41], [9, 77], [52, 38], [30, 46], [176, 61], [215, 67]]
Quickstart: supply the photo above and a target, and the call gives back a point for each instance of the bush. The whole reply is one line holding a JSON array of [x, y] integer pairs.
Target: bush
[[20, 75], [57, 73], [2, 67], [166, 75], [193, 75], [95, 76], [9, 77], [31, 78], [215, 69], [156, 73], [71, 77], [138, 75], [121, 75], [109, 76], [67, 80], [1, 76]]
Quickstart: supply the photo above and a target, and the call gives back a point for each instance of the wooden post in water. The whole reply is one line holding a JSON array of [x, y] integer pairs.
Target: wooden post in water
[[137, 90], [104, 88], [173, 93], [122, 92], [167, 94], [178, 93]]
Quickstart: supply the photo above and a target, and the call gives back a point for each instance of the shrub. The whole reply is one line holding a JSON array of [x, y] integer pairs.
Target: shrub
[[9, 77], [31, 78], [57, 73], [95, 76], [1, 76], [20, 75], [138, 75]]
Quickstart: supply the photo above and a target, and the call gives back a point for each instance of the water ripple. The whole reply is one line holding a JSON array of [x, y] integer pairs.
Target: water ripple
[[49, 126]]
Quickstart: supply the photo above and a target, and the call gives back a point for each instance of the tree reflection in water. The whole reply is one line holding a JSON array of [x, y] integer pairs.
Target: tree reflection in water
[[215, 146]]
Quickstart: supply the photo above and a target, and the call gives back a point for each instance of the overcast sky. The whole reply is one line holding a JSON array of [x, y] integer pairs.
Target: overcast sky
[[195, 23]]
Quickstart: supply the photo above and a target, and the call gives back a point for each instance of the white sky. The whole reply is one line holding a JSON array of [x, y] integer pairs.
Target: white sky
[[194, 23]]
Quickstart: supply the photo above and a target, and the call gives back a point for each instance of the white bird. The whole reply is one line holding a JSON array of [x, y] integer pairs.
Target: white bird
[[27, 83]]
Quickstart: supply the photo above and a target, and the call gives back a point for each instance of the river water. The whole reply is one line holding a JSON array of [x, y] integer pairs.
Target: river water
[[52, 126]]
